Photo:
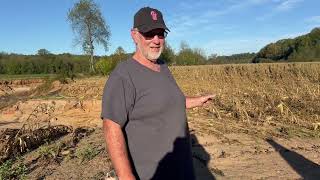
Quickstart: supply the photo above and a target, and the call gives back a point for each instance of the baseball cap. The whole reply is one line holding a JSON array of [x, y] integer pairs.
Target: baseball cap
[[147, 19]]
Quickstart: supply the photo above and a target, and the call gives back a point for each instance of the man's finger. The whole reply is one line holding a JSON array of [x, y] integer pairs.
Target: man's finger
[[210, 97]]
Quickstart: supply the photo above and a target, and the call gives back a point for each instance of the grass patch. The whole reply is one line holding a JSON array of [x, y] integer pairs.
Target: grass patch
[[303, 132], [10, 171], [87, 153], [49, 151]]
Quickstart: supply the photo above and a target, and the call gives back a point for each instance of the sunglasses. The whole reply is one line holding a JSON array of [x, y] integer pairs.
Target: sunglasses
[[151, 34]]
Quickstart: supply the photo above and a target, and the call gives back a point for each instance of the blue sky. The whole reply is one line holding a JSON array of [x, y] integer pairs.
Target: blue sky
[[223, 27]]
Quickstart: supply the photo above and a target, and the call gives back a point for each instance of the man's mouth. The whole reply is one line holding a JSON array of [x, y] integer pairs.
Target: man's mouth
[[155, 48]]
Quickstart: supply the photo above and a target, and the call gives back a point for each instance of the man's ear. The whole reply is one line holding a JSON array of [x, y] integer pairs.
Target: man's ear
[[134, 36]]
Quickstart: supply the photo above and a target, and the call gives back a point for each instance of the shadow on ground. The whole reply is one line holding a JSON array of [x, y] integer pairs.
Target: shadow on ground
[[167, 168], [303, 166], [201, 159]]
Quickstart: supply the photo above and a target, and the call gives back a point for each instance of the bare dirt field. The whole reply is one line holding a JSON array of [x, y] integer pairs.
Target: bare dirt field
[[263, 124]]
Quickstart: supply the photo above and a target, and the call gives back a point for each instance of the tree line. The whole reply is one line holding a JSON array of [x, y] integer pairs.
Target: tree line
[[45, 62], [302, 48]]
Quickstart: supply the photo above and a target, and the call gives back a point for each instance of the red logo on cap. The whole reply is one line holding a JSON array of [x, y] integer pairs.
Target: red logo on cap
[[154, 15]]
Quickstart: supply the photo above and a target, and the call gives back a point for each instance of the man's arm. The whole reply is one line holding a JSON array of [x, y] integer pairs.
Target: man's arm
[[192, 102], [117, 150]]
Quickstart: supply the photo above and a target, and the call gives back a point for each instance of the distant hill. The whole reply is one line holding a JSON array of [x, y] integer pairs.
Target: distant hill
[[231, 59], [301, 48]]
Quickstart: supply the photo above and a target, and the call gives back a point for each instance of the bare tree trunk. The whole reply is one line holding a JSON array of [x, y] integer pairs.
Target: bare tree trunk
[[91, 50], [90, 44], [91, 61]]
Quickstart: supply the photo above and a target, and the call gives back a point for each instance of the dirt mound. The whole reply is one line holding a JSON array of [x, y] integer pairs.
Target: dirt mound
[[85, 88], [21, 82], [19, 87], [38, 112]]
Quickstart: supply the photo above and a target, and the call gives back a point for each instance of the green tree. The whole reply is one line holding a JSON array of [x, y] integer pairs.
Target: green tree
[[188, 56], [13, 67], [107, 64], [89, 26], [184, 46], [301, 48], [231, 59], [120, 51], [43, 52], [119, 55], [1, 68], [168, 54]]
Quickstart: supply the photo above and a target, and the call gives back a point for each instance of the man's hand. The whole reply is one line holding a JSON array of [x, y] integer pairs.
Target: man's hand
[[205, 100], [192, 102]]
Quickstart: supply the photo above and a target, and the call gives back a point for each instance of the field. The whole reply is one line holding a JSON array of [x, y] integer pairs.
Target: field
[[263, 124]]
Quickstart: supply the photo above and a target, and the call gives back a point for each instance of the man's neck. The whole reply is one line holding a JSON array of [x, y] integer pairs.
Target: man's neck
[[146, 62]]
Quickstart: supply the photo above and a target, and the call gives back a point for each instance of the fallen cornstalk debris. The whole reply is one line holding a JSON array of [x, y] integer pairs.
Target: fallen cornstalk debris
[[14, 142]]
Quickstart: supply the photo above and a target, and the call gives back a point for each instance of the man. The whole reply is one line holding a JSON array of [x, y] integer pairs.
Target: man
[[143, 110]]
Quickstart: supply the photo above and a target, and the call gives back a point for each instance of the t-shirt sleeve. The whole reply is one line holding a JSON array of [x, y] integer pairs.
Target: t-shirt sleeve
[[117, 99]]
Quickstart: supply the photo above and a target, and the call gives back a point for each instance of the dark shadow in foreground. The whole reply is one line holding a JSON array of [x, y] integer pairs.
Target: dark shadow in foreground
[[304, 167], [201, 161], [175, 166]]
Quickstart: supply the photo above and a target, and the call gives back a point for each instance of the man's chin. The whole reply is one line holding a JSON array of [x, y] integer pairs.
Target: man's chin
[[153, 57]]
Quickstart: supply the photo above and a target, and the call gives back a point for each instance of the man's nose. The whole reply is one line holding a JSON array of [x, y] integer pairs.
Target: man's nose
[[156, 39]]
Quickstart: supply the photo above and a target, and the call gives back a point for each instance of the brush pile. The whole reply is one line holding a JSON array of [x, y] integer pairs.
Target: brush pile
[[14, 142]]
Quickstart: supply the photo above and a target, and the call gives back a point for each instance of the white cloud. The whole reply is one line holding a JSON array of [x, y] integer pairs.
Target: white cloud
[[282, 6], [203, 15], [235, 46], [287, 5], [200, 22], [292, 35], [242, 45], [197, 19], [313, 20], [234, 6], [195, 4]]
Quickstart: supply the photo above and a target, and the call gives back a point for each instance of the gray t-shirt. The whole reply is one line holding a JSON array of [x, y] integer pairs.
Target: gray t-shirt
[[150, 108]]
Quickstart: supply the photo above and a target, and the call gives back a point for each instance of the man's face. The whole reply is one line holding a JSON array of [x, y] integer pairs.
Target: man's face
[[151, 43]]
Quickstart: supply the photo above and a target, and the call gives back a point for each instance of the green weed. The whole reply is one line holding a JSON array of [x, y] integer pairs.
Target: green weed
[[10, 171], [49, 151], [87, 153]]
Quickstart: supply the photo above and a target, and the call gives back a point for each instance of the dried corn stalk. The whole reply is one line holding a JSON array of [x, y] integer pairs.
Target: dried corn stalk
[[15, 142]]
